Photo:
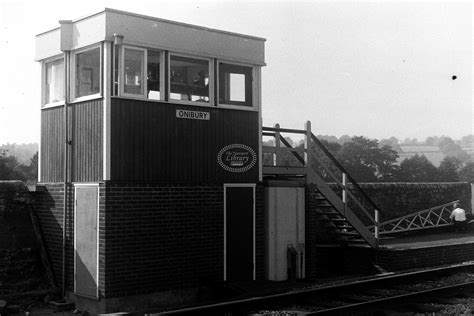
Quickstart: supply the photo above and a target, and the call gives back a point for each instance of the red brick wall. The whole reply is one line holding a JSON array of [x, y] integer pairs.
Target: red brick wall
[[158, 237], [393, 260], [49, 209]]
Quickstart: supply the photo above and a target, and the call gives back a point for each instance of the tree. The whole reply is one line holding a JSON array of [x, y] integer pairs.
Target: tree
[[468, 140], [417, 169], [448, 169], [344, 139], [366, 161], [431, 140], [466, 173], [392, 142], [10, 169]]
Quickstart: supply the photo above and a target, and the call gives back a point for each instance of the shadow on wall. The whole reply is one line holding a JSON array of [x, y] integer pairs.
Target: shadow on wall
[[49, 211]]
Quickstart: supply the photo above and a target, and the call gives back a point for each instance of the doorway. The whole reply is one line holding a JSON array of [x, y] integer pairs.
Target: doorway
[[239, 232], [85, 240]]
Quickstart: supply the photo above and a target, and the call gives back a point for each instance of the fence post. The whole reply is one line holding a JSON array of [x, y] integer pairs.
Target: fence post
[[344, 193], [307, 143], [376, 228], [277, 143]]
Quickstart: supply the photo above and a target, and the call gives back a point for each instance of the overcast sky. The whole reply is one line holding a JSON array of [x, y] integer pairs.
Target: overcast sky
[[377, 69]]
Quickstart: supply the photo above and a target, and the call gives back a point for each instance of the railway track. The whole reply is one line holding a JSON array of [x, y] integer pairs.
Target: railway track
[[348, 298]]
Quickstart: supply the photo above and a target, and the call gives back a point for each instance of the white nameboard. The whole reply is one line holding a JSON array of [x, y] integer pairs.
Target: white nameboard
[[193, 115]]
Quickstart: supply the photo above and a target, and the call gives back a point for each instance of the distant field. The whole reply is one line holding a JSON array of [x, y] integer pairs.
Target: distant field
[[434, 157]]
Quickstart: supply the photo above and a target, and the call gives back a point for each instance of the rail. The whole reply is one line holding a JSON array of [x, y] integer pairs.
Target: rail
[[437, 216]]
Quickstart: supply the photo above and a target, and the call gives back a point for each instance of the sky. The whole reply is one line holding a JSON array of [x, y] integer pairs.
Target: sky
[[376, 69]]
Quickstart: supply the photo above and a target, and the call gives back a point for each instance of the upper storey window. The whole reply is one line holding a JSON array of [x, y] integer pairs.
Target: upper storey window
[[134, 71], [54, 82], [141, 73], [87, 73], [235, 84], [189, 79]]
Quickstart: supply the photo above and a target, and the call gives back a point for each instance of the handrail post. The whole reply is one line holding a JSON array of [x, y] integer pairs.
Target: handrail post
[[376, 228], [277, 143], [344, 193], [307, 143]]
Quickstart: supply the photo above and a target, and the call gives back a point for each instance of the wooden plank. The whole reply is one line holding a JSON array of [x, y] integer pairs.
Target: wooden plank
[[269, 170], [175, 149], [283, 130]]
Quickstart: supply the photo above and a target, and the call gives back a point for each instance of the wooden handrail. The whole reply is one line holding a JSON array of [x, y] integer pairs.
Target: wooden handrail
[[342, 169], [283, 130]]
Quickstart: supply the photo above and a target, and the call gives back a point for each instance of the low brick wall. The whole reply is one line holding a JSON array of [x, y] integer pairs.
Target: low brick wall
[[399, 199], [21, 269], [403, 259], [15, 225]]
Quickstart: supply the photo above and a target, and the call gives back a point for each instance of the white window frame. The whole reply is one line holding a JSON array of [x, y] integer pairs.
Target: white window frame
[[255, 87], [44, 74], [144, 75], [121, 71], [73, 75], [211, 81]]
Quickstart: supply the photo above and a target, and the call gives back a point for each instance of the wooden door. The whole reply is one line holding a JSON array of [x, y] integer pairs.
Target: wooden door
[[85, 246], [239, 230]]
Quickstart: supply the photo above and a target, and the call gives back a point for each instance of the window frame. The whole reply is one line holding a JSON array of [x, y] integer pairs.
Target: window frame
[[254, 87], [72, 88], [211, 80], [44, 74], [144, 75], [121, 74]]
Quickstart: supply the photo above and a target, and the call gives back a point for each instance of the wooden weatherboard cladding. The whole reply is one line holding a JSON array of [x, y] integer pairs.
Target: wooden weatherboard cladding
[[85, 133], [149, 142]]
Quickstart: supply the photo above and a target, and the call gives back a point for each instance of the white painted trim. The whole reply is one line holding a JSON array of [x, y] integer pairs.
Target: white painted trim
[[239, 185], [44, 74], [107, 83], [83, 185], [258, 99], [72, 74], [144, 72]]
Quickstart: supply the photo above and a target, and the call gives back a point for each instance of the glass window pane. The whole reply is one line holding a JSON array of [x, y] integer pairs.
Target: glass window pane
[[153, 75], [88, 73], [235, 84], [54, 81], [134, 61], [189, 79]]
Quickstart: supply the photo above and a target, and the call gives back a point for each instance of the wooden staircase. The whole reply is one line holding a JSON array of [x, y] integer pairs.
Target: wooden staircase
[[336, 225], [344, 216]]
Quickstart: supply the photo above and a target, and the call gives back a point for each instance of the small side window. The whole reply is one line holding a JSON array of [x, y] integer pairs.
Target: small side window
[[54, 82], [235, 84], [87, 78]]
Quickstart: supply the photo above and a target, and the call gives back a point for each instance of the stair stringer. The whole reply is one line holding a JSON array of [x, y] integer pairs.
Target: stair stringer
[[324, 189]]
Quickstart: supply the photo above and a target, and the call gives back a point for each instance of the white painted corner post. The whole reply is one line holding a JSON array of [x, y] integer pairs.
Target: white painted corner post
[[108, 83], [277, 144], [307, 144]]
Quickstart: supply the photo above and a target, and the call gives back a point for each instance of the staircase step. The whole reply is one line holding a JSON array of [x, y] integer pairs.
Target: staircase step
[[348, 234], [328, 213], [339, 220], [344, 227]]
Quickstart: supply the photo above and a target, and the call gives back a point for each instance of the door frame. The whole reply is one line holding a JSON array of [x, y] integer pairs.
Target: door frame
[[76, 186], [239, 185]]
